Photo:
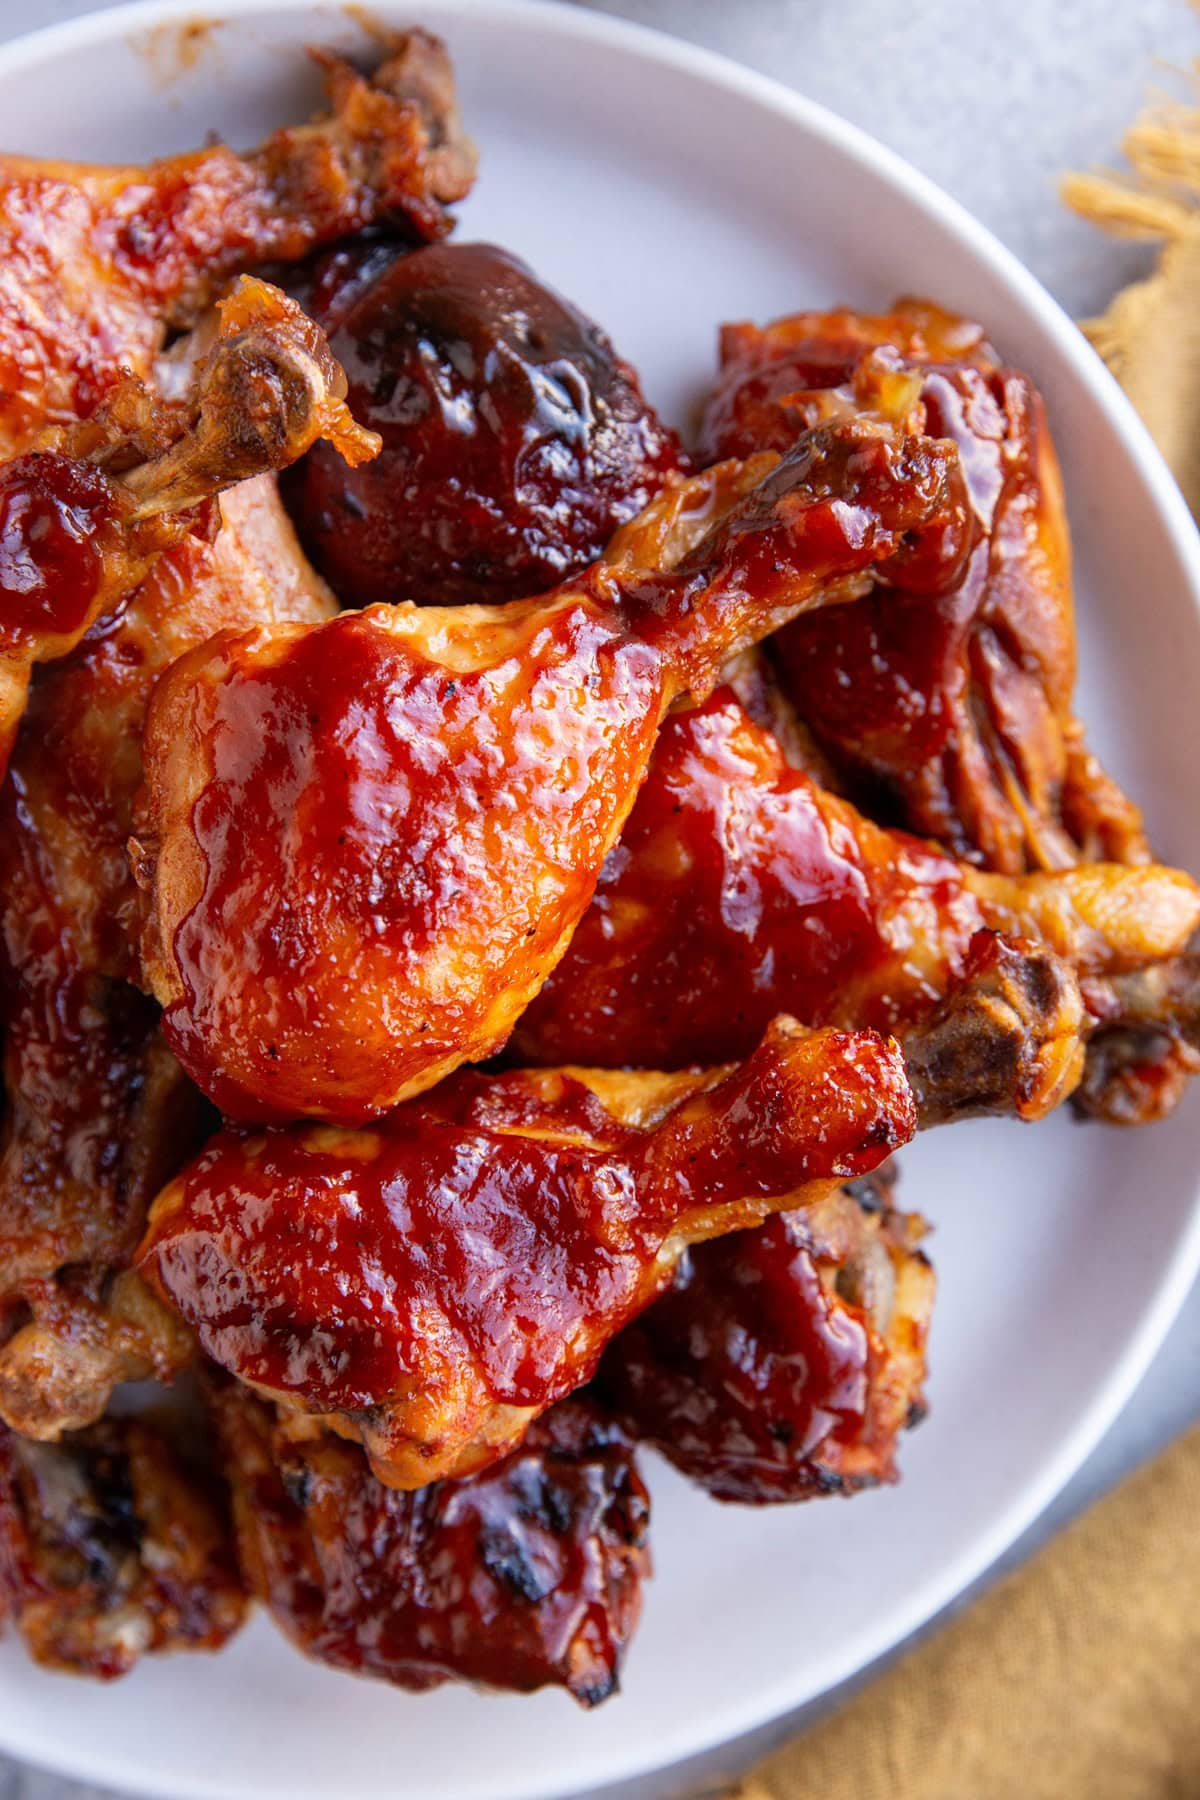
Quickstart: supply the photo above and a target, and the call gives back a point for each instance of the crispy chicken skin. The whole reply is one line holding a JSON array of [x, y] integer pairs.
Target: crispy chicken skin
[[110, 1548], [740, 888], [97, 263], [431, 1284], [99, 1113], [410, 806], [86, 513], [783, 1363], [955, 709], [526, 1576]]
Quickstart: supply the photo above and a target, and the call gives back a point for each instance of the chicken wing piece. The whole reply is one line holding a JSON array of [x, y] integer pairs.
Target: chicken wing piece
[[410, 806], [526, 1576], [740, 889], [96, 264], [955, 711], [431, 1284], [110, 1548], [99, 1113], [84, 517], [783, 1363]]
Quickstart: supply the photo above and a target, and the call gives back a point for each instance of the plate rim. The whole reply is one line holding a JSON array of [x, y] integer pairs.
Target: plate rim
[[863, 1649]]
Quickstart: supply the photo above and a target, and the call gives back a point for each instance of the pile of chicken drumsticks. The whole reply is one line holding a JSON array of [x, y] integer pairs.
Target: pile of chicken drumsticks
[[453, 1036]]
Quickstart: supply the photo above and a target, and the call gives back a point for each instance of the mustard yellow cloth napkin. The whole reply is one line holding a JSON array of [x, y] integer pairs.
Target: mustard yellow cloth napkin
[[1078, 1677], [1075, 1679], [1150, 335]]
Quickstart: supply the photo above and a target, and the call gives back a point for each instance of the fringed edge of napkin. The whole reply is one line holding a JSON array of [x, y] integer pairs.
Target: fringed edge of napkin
[[1150, 335]]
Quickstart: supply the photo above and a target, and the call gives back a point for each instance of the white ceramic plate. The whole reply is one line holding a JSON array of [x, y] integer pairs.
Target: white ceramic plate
[[665, 190]]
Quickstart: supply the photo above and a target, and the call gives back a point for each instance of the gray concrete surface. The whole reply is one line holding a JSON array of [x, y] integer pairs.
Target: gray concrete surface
[[993, 101]]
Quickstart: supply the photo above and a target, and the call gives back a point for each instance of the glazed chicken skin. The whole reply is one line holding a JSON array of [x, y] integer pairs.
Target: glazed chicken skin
[[110, 1548], [99, 1113], [431, 1284], [955, 713], [515, 439], [85, 515], [741, 888], [97, 264], [525, 1576], [783, 1363], [366, 844]]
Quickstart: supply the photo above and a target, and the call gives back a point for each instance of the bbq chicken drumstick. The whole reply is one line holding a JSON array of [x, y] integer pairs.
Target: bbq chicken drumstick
[[525, 1576], [367, 843], [955, 709], [783, 1363], [97, 264], [430, 1284], [740, 888]]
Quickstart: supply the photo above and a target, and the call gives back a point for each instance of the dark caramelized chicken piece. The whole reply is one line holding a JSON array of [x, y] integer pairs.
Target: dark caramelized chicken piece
[[84, 517], [431, 1284], [771, 376], [740, 889], [110, 1548], [367, 843], [524, 1577], [99, 1113], [515, 440], [783, 1363], [956, 708], [97, 263]]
